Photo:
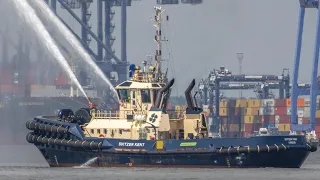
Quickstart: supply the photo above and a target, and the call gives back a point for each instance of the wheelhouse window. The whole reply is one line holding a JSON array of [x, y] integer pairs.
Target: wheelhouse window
[[145, 96], [124, 94]]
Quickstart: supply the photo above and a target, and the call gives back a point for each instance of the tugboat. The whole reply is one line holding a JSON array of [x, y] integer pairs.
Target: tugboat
[[142, 133]]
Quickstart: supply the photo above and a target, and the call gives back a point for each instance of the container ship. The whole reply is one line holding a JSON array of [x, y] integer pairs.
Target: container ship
[[142, 133]]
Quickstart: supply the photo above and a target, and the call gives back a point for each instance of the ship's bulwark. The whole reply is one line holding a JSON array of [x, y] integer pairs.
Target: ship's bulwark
[[289, 156]]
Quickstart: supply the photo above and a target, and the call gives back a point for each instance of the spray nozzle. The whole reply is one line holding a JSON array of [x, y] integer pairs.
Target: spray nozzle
[[91, 105]]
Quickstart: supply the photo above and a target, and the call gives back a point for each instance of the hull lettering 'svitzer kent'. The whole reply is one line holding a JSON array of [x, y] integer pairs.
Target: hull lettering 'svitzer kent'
[[142, 133], [131, 144]]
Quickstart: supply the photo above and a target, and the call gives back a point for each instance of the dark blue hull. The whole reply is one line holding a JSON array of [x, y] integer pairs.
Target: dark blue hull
[[284, 159], [64, 144]]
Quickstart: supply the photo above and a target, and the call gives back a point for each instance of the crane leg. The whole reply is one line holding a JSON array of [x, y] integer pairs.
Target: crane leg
[[313, 92], [295, 90]]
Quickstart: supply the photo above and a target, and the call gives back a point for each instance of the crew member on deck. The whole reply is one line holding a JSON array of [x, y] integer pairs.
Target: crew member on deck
[[92, 108]]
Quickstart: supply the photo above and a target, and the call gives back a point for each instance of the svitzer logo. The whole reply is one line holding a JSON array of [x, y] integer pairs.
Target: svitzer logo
[[31, 103]]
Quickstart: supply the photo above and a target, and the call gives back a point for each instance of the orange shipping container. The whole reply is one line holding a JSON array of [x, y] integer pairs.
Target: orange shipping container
[[248, 119], [224, 104], [300, 102], [251, 111], [254, 103], [223, 112], [318, 113], [284, 127], [241, 103]]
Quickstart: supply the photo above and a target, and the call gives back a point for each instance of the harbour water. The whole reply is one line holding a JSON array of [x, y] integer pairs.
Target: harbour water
[[31, 166]]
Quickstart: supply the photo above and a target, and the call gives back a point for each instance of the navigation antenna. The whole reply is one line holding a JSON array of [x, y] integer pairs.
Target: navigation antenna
[[158, 39]]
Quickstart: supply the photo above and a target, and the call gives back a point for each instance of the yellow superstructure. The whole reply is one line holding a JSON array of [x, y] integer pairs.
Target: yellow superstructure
[[142, 113]]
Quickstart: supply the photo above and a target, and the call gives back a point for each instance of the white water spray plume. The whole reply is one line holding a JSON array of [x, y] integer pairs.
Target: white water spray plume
[[49, 15], [27, 12]]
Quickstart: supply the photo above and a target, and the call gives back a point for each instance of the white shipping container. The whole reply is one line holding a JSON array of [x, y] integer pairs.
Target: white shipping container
[[276, 125], [307, 102], [288, 110], [300, 108], [267, 103], [266, 111], [306, 112], [300, 113], [299, 120]]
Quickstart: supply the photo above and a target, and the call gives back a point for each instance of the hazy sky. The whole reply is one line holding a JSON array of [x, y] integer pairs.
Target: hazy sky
[[207, 36]]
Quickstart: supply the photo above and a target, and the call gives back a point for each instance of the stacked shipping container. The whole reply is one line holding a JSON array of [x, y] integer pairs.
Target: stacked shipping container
[[243, 117], [239, 117]]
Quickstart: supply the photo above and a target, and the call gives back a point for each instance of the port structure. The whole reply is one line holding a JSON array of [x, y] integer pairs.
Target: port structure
[[305, 4], [223, 79], [105, 55]]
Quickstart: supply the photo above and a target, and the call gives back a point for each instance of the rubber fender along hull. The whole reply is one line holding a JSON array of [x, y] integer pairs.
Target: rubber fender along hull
[[86, 145], [33, 125], [292, 158]]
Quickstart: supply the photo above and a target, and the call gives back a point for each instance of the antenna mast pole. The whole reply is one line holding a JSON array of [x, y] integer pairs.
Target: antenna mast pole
[[158, 20]]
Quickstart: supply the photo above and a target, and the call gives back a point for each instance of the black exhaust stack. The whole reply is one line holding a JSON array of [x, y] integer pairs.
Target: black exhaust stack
[[161, 91], [191, 106], [188, 95]]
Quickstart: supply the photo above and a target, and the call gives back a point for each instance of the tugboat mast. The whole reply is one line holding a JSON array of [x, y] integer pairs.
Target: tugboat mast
[[158, 39]]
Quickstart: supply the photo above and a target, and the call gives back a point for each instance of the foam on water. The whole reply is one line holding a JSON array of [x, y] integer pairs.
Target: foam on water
[[26, 12], [44, 8], [88, 163]]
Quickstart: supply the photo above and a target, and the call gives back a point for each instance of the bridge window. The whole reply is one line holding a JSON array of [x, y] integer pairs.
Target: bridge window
[[145, 96], [124, 94]]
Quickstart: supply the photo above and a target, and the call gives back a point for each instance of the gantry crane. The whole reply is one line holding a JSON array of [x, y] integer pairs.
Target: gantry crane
[[309, 4], [104, 60], [217, 79], [223, 79]]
